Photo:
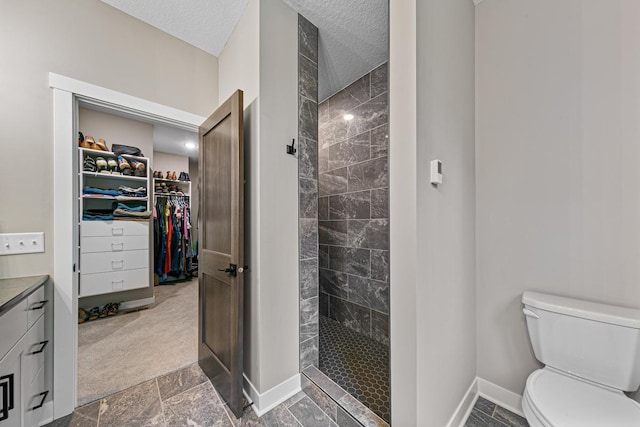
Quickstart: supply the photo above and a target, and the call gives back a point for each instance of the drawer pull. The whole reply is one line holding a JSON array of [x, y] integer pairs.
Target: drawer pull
[[116, 282], [42, 345], [41, 404], [40, 305], [117, 231], [117, 246], [6, 385], [117, 265]]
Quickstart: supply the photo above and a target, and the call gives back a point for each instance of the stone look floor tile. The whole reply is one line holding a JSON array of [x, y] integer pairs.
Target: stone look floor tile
[[509, 418], [279, 416], [480, 419], [320, 398], [137, 406], [309, 414], [361, 413], [182, 380], [487, 414], [198, 406], [485, 406]]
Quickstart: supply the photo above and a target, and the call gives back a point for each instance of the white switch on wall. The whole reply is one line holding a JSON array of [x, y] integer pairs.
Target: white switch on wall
[[21, 243], [436, 172]]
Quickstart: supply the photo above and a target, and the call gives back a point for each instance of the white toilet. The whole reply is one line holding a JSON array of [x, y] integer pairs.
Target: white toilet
[[591, 354]]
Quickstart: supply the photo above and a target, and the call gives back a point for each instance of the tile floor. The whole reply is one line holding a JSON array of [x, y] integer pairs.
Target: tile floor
[[356, 363], [488, 414], [187, 398]]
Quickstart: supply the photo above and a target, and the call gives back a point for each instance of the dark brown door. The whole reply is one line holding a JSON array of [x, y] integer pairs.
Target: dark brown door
[[221, 257]]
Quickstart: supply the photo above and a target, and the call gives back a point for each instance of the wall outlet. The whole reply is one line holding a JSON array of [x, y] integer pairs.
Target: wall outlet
[[21, 243]]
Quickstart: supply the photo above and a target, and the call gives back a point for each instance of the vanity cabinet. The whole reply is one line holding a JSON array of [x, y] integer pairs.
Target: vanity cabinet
[[25, 348]]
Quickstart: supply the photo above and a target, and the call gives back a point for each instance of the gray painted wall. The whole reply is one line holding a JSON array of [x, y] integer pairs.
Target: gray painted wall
[[432, 229], [89, 41], [261, 58], [353, 206], [558, 199]]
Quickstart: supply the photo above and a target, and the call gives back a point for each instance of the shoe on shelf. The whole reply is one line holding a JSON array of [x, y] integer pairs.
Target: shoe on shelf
[[89, 165], [113, 165], [123, 163], [88, 142], [102, 145], [101, 164], [168, 175], [174, 176]]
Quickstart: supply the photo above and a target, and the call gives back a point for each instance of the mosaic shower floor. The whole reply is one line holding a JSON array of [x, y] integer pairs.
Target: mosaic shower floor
[[356, 363]]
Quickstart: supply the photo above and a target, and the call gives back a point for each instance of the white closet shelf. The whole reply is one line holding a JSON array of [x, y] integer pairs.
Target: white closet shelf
[[175, 181], [108, 175], [109, 154], [118, 198]]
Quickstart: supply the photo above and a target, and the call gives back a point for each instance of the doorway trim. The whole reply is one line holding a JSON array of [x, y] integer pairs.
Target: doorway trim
[[67, 93]]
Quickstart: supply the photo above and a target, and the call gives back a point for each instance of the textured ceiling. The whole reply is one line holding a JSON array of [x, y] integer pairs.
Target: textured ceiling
[[354, 38], [206, 24]]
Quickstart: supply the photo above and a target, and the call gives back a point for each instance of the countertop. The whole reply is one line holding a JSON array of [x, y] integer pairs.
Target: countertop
[[14, 290]]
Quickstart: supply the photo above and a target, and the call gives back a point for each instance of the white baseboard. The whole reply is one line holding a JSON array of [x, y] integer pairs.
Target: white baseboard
[[460, 415], [137, 303], [264, 402], [490, 391], [501, 396]]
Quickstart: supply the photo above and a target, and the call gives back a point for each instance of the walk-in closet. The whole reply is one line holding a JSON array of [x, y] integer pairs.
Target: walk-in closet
[[137, 250]]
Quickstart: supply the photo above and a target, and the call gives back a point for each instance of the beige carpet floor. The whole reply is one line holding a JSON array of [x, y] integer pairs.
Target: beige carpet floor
[[122, 351]]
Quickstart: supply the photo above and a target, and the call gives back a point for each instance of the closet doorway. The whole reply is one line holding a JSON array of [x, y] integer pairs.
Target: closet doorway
[[138, 251], [70, 208]]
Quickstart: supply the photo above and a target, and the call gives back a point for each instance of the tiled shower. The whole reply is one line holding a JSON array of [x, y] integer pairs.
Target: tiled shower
[[344, 230]]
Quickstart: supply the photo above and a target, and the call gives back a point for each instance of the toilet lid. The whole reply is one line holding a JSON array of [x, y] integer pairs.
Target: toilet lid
[[567, 402]]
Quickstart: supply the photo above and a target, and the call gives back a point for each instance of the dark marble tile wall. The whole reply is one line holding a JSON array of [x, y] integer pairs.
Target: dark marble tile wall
[[353, 206], [308, 190]]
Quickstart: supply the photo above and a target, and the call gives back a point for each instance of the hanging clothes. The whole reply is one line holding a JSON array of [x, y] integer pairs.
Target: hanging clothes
[[172, 238]]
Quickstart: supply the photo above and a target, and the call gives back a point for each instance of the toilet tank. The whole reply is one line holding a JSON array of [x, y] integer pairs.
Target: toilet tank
[[597, 342]]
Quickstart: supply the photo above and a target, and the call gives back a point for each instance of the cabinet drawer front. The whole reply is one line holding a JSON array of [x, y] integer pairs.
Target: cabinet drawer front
[[35, 396], [113, 244], [13, 325], [36, 346], [104, 283], [114, 228], [104, 262], [11, 387], [36, 305]]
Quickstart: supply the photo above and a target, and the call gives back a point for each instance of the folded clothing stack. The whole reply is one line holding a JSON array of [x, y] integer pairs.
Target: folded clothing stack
[[99, 191], [132, 192], [97, 215], [125, 211]]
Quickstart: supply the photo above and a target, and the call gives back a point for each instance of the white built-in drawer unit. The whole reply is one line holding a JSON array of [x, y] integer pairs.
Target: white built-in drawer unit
[[113, 228], [105, 262], [113, 243], [114, 256], [102, 283]]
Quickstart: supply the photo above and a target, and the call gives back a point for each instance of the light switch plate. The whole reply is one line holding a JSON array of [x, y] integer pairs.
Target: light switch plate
[[21, 243]]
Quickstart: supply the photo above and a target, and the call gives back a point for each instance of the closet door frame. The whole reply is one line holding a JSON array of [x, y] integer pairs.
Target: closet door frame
[[68, 94]]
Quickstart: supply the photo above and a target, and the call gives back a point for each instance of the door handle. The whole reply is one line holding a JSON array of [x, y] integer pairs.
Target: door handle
[[40, 305], [44, 397], [42, 345], [233, 270]]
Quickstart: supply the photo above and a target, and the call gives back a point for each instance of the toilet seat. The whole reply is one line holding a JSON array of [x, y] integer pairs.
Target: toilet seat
[[554, 399]]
